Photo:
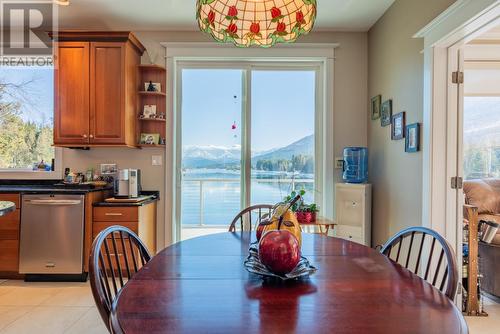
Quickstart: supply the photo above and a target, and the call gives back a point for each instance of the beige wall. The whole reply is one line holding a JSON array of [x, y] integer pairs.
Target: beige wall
[[396, 72], [351, 94]]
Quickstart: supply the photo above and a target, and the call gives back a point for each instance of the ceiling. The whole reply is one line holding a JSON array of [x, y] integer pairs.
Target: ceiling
[[151, 15]]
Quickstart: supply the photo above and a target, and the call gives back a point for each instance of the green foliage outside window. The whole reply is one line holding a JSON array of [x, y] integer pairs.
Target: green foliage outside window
[[22, 142]]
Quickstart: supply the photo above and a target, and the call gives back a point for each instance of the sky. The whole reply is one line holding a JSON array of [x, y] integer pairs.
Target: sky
[[38, 100], [283, 105]]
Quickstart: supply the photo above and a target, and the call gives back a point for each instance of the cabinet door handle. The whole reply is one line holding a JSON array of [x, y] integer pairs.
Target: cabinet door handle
[[91, 136], [113, 214], [84, 136]]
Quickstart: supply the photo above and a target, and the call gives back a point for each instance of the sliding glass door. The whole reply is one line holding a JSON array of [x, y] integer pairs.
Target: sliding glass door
[[247, 137], [282, 134]]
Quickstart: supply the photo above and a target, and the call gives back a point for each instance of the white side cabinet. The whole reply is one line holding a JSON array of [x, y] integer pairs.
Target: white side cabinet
[[353, 207]]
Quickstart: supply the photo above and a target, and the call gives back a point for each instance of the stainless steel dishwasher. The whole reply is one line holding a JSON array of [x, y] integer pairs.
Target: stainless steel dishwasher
[[51, 240]]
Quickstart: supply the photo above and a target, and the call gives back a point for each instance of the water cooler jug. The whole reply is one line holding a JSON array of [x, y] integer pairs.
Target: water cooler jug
[[355, 165]]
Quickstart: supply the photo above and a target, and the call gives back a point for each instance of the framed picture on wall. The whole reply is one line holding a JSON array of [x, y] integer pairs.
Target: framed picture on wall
[[412, 138], [398, 126], [386, 113], [375, 106]]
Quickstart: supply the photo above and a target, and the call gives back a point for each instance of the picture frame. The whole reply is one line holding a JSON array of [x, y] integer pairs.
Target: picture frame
[[152, 86], [149, 111], [386, 113], [376, 103], [108, 169], [398, 126], [150, 138], [412, 142]]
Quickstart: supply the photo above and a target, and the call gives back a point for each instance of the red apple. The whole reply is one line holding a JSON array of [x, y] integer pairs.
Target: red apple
[[279, 251], [258, 232]]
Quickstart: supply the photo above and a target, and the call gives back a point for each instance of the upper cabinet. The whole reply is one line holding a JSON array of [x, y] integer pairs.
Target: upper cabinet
[[96, 84]]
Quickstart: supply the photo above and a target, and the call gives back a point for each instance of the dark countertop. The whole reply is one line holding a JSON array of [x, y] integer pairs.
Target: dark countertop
[[46, 186], [156, 198]]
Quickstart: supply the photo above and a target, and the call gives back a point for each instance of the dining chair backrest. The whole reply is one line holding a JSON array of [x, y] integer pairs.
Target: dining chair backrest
[[244, 221], [117, 254], [427, 254]]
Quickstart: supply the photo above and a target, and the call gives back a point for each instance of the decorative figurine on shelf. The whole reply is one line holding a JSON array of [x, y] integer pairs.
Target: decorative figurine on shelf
[[161, 115], [151, 87], [162, 141]]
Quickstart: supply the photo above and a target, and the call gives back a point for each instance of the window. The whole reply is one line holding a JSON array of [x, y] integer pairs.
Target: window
[[26, 118], [247, 137], [481, 137]]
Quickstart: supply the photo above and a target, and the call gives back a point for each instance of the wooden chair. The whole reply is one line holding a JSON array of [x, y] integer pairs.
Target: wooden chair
[[245, 216], [117, 254], [415, 248]]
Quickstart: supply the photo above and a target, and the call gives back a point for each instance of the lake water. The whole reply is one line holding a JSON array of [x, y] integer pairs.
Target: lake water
[[212, 196]]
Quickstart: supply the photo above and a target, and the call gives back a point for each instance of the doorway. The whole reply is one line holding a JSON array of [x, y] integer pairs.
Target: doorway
[[248, 136], [473, 160]]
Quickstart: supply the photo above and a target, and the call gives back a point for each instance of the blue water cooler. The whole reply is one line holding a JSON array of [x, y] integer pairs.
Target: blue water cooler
[[355, 165]]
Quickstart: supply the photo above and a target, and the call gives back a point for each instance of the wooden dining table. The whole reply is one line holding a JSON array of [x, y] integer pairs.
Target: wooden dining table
[[201, 286]]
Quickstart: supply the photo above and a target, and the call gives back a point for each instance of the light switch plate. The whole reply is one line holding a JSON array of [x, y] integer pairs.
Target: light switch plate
[[339, 163], [156, 160]]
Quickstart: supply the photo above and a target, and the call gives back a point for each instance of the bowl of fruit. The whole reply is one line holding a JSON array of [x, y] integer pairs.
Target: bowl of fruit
[[277, 251]]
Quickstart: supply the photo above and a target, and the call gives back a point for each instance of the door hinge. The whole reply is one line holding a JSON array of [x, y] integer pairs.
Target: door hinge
[[457, 77], [457, 182]]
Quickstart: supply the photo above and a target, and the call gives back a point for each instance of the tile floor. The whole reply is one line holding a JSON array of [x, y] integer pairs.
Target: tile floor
[[48, 308], [69, 308]]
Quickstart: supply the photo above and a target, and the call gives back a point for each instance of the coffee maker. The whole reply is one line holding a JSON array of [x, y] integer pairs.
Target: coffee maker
[[129, 183]]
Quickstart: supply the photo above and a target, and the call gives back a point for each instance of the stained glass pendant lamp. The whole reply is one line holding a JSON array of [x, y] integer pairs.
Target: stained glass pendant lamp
[[256, 22]]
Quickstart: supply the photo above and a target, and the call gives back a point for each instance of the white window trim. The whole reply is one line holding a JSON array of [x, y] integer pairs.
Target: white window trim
[[26, 174], [322, 54]]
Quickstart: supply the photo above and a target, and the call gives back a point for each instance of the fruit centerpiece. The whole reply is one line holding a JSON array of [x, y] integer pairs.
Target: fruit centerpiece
[[277, 252]]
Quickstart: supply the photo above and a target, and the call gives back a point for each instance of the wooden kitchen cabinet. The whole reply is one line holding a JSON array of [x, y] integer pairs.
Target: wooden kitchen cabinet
[[9, 238], [140, 219], [96, 84], [71, 98]]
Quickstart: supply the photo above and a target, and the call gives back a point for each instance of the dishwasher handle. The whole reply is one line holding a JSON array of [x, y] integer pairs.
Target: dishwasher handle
[[58, 202]]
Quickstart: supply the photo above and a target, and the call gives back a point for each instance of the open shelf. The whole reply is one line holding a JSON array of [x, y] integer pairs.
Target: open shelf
[[152, 67], [152, 93], [152, 73], [150, 146], [152, 119]]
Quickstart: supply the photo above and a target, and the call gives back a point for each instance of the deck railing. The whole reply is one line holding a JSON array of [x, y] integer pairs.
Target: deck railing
[[230, 196]]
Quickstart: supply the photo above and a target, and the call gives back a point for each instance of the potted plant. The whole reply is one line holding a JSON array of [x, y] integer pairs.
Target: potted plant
[[306, 213]]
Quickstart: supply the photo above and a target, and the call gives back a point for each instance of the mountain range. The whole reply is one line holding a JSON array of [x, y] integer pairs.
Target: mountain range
[[224, 157]]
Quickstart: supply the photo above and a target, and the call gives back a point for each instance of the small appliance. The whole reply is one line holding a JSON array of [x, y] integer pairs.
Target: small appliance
[[129, 183]]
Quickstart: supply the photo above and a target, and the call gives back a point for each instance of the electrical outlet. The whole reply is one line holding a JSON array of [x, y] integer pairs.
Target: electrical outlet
[[156, 160], [339, 163]]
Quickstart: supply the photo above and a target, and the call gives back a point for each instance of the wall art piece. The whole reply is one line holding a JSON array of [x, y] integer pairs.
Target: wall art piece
[[398, 126], [386, 113], [375, 106], [412, 138]]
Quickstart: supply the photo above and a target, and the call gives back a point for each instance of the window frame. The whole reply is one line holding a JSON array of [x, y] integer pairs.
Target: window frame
[[324, 145]]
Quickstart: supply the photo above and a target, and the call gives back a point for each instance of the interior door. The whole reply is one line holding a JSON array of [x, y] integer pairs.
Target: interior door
[[71, 98], [107, 117]]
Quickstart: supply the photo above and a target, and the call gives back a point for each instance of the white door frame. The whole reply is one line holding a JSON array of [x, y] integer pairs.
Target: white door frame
[[323, 53], [443, 37]]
